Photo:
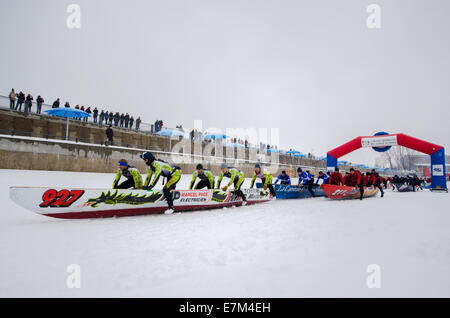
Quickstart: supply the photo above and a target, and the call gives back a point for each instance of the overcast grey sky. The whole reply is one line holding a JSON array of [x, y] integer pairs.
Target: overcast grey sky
[[311, 68]]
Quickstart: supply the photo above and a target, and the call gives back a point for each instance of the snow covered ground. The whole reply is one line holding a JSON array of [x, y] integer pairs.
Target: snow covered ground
[[291, 248]]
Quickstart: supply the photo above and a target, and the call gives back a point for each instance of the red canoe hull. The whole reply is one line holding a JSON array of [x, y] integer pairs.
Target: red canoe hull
[[336, 192]]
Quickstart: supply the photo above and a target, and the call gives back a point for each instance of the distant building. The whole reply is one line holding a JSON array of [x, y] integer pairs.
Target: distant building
[[422, 164]]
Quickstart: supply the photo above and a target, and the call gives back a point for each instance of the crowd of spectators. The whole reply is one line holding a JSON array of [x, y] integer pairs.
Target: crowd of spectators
[[107, 118], [123, 120]]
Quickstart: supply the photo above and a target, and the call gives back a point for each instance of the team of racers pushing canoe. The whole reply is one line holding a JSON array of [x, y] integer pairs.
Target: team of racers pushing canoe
[[157, 168]]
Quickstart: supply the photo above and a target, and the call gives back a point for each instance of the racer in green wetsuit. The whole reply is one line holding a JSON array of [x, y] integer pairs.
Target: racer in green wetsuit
[[265, 177], [134, 178], [236, 178], [158, 168], [205, 176]]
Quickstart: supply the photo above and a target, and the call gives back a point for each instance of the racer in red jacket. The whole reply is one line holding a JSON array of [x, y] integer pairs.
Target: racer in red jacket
[[357, 181], [336, 177]]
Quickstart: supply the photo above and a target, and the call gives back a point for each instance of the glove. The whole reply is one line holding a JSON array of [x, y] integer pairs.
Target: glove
[[225, 188], [265, 186]]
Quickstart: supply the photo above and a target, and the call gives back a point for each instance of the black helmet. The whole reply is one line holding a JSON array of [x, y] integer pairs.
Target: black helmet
[[148, 156], [299, 170], [258, 166], [199, 166]]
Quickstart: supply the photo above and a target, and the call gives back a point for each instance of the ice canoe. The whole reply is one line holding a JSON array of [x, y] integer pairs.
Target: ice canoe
[[73, 203], [337, 192]]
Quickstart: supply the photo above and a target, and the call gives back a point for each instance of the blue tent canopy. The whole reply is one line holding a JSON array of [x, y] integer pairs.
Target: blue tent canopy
[[67, 113], [170, 133]]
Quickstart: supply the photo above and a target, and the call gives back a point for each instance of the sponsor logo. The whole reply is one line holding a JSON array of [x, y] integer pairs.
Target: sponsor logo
[[190, 196], [438, 170], [379, 141], [123, 198], [290, 189], [255, 194], [344, 192], [193, 194]]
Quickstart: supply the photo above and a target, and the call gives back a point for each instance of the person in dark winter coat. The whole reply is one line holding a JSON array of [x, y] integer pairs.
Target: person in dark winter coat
[[39, 102], [28, 103], [127, 120], [131, 122], [138, 123], [20, 101], [56, 103], [110, 135], [89, 111], [110, 118], [95, 112], [116, 119], [122, 119], [101, 117]]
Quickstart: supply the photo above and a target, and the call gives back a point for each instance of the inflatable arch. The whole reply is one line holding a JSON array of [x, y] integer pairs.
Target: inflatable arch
[[383, 141]]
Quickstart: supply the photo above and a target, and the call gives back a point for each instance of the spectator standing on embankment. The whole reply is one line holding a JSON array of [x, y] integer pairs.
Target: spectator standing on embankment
[[39, 102], [110, 117], [12, 99], [101, 117], [89, 111], [121, 120], [109, 136], [56, 103], [20, 101], [95, 112], [127, 120], [138, 123], [28, 103], [131, 122]]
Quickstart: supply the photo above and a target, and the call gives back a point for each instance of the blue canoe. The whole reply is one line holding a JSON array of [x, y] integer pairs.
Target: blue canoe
[[283, 191]]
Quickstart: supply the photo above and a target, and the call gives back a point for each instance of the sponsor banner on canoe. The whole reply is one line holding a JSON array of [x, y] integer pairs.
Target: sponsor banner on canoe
[[286, 191], [58, 201], [379, 141]]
